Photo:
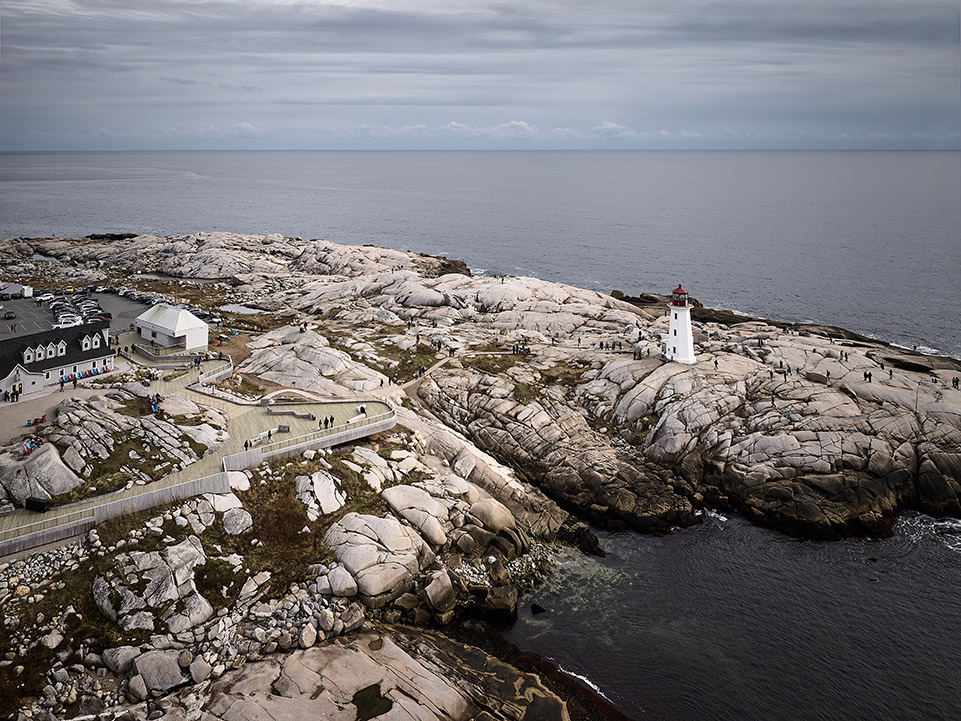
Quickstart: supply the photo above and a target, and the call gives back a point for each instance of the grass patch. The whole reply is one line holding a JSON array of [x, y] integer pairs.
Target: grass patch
[[175, 375], [562, 375], [195, 420], [91, 487], [218, 582], [493, 364], [406, 362], [136, 407], [198, 448], [525, 393]]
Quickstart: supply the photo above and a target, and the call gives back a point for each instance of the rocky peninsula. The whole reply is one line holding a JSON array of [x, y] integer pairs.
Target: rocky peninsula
[[526, 409]]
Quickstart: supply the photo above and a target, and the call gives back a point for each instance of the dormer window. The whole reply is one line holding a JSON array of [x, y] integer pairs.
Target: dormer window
[[28, 356], [96, 341], [85, 343], [51, 350], [61, 348]]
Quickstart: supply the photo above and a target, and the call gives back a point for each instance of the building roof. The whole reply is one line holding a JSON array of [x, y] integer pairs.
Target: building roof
[[11, 349], [679, 289], [169, 320]]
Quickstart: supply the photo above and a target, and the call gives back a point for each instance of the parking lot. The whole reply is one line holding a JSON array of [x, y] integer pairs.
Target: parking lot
[[32, 318]]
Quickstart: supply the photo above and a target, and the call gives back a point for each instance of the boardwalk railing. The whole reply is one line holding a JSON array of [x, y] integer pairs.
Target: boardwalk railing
[[45, 524], [59, 527], [166, 356], [208, 377], [325, 438]]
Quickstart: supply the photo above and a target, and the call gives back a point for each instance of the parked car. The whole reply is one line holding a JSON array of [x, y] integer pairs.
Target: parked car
[[4, 296], [68, 323], [9, 315], [45, 296]]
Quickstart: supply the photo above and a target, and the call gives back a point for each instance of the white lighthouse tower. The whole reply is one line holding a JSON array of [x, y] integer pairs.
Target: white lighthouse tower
[[679, 344]]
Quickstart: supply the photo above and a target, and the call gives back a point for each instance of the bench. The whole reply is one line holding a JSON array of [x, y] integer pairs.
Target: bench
[[295, 414]]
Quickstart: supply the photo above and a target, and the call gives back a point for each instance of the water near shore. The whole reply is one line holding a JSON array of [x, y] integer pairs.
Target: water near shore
[[864, 240], [730, 621]]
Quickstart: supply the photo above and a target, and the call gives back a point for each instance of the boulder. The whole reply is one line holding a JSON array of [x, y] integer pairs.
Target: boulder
[[42, 474], [421, 510], [199, 670], [237, 521], [342, 583], [353, 617], [308, 636], [382, 554], [101, 597], [493, 514], [160, 670], [440, 592], [137, 688], [120, 659]]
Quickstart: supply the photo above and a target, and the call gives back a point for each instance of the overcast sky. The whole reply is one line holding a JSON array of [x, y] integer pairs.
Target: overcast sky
[[159, 74]]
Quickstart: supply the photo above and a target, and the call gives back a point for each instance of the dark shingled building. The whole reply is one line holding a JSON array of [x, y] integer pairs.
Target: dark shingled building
[[28, 363]]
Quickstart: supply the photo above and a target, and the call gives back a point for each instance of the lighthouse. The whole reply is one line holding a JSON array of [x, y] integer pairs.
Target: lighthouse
[[679, 344]]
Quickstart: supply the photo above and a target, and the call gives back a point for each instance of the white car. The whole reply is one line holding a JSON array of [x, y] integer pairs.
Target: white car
[[68, 323], [45, 297]]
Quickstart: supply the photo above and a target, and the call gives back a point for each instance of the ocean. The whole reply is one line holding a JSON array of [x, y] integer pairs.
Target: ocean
[[724, 620], [870, 241]]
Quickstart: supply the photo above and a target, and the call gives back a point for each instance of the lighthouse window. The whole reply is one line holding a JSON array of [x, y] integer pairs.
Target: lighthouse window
[[675, 316], [675, 331]]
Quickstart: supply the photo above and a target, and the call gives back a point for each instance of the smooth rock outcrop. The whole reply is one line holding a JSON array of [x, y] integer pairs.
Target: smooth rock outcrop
[[381, 554]]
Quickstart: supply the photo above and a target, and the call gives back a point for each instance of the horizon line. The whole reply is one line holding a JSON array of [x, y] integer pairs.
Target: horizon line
[[477, 150]]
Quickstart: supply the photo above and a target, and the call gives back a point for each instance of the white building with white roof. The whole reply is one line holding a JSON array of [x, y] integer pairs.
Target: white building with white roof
[[168, 327]]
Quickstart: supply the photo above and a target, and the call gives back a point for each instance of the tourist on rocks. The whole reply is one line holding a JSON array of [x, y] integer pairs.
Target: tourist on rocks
[[715, 361], [890, 374], [870, 375]]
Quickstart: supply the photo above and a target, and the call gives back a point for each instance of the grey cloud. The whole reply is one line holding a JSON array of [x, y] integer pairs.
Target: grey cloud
[[878, 69]]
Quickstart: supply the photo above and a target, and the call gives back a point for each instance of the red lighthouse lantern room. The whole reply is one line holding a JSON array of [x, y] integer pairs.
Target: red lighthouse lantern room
[[679, 297]]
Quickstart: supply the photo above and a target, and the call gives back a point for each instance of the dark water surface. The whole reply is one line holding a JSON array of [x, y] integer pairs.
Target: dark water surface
[[866, 240], [729, 621]]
